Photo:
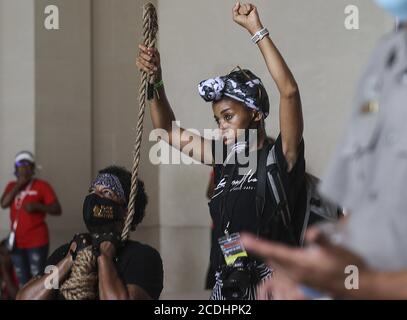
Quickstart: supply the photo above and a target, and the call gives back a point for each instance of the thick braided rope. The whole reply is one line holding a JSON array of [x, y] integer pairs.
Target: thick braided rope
[[83, 280], [150, 29]]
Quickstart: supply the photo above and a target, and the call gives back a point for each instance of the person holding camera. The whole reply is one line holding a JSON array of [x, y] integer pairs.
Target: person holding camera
[[98, 265], [240, 105], [30, 200]]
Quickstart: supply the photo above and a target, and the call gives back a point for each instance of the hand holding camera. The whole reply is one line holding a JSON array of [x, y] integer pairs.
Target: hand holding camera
[[106, 244], [79, 242]]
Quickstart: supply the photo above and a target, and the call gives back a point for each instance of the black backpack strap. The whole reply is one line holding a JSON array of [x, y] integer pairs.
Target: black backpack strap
[[309, 191], [277, 188], [268, 176]]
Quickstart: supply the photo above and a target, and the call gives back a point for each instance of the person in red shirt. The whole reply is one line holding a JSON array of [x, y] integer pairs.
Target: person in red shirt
[[29, 200]]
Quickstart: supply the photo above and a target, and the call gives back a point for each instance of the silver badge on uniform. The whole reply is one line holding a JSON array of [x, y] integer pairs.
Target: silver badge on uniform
[[371, 94], [370, 107]]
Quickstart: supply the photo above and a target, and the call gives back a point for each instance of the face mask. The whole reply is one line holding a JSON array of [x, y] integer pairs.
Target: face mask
[[102, 215], [398, 8]]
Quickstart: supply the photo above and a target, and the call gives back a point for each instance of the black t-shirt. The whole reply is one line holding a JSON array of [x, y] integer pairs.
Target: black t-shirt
[[136, 263], [240, 203]]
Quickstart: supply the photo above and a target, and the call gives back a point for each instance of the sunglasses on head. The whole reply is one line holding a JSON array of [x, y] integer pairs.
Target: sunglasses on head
[[23, 163], [246, 75]]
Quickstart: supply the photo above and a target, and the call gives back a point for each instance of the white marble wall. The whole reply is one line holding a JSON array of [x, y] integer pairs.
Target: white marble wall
[[116, 80], [17, 88], [63, 125]]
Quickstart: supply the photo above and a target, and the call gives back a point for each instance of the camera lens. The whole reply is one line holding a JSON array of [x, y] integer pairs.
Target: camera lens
[[236, 285]]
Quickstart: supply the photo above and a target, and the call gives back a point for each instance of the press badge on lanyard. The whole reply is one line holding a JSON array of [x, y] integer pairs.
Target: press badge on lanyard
[[232, 248]]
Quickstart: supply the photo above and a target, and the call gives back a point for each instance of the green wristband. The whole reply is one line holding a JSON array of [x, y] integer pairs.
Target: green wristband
[[158, 84]]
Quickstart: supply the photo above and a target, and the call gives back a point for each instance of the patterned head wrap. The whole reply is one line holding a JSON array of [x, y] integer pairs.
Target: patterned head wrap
[[111, 182], [241, 85]]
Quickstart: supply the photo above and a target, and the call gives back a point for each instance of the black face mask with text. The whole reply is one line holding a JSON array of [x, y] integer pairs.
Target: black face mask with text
[[102, 215]]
